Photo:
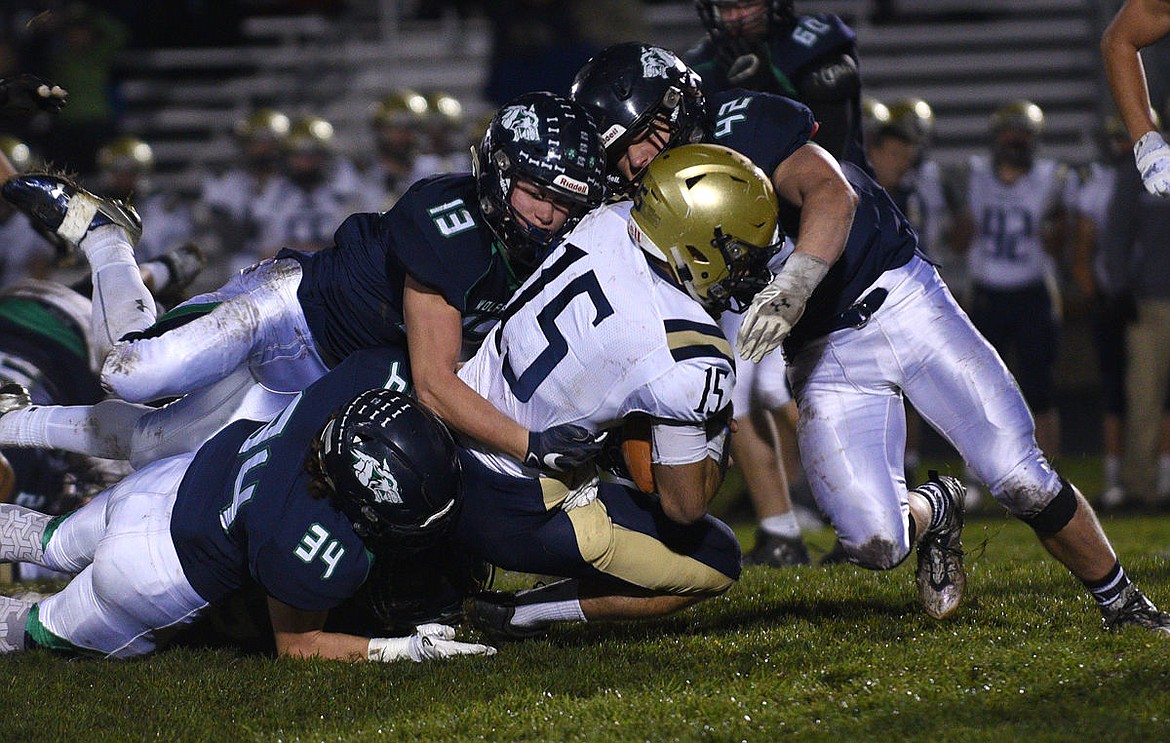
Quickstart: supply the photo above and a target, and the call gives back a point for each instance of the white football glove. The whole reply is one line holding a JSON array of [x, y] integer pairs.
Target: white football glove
[[779, 305], [1153, 161], [431, 641]]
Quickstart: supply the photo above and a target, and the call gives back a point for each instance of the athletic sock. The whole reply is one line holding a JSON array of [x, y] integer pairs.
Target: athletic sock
[[1109, 588], [13, 618], [21, 533], [781, 525], [530, 616], [101, 430], [940, 505]]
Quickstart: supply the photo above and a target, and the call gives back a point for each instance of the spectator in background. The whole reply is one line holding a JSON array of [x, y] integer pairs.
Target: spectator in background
[[1137, 267], [536, 45], [1012, 227], [76, 46]]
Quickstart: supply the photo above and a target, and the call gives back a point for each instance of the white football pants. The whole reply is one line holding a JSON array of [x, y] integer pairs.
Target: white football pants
[[129, 593], [852, 429]]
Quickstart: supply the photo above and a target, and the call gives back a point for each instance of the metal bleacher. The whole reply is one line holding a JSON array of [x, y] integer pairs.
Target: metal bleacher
[[964, 58]]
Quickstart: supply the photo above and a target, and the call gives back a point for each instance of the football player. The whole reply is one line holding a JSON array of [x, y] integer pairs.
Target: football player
[[1138, 24], [862, 329], [423, 278], [763, 45], [1012, 212], [302, 506], [615, 324]]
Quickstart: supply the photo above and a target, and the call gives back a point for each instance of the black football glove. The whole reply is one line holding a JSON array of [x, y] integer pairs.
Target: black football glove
[[25, 94], [562, 448]]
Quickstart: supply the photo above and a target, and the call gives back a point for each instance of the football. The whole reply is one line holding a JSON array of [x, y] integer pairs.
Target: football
[[636, 446]]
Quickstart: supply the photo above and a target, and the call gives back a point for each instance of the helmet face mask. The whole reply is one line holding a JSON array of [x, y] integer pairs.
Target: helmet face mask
[[393, 469], [778, 17], [709, 214], [1015, 128], [631, 88], [551, 143]]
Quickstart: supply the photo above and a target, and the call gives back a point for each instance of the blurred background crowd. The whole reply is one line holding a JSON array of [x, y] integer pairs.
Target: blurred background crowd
[[245, 126]]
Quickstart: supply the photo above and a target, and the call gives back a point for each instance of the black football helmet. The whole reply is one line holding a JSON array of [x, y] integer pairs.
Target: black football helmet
[[393, 469], [781, 17], [628, 86], [551, 141]]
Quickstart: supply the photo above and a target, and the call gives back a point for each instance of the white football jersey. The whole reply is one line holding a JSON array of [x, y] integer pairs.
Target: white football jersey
[[596, 334], [1008, 252]]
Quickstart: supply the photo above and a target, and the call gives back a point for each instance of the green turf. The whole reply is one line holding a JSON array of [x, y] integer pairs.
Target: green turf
[[821, 654]]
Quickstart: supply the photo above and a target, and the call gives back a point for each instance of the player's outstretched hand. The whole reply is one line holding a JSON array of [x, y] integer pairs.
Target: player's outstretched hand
[[767, 322], [562, 448], [1153, 161], [25, 94], [429, 642]]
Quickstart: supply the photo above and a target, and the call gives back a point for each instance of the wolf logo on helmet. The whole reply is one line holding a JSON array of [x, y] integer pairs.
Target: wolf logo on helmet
[[375, 475], [654, 62], [522, 122]]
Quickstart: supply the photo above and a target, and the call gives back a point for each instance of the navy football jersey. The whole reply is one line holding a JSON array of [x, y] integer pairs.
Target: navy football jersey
[[351, 293], [244, 513], [815, 39], [767, 129]]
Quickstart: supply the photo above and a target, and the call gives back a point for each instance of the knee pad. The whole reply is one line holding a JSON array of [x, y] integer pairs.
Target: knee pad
[[1056, 515]]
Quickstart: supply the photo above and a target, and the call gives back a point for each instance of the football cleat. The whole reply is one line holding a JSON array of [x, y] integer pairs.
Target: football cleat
[[491, 612], [1132, 608], [775, 551], [60, 207], [941, 579], [13, 397]]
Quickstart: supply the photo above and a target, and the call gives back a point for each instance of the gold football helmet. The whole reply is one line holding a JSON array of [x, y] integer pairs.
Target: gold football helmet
[[263, 123], [913, 116], [709, 214], [17, 153], [310, 134], [401, 108], [126, 154], [1019, 114], [874, 113]]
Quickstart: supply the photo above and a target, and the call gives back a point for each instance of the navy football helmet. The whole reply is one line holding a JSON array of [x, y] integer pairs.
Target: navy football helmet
[[627, 87], [781, 17], [393, 469], [550, 141]]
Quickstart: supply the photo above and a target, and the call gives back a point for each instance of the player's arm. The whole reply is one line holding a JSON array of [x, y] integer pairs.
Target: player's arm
[[811, 180], [828, 88], [301, 634], [686, 490], [1137, 24], [434, 334]]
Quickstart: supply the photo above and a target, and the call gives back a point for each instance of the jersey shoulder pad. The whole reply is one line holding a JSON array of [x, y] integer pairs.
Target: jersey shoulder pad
[[764, 127], [310, 565], [698, 384]]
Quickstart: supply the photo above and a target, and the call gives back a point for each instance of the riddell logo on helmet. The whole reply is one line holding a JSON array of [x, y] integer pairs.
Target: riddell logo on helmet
[[571, 184], [611, 134]]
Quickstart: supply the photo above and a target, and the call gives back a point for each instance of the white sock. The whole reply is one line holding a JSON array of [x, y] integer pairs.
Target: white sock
[[121, 302], [782, 525], [1112, 466], [539, 615], [102, 430]]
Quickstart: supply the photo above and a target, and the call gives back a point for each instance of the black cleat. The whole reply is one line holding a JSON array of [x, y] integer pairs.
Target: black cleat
[[58, 206], [775, 551], [491, 612], [941, 578], [1132, 608]]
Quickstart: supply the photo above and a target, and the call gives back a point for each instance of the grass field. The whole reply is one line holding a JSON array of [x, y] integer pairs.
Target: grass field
[[802, 654]]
